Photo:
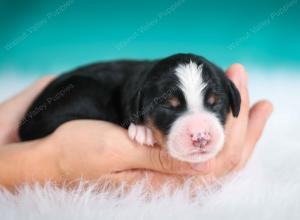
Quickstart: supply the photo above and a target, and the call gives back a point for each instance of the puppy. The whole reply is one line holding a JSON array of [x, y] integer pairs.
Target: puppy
[[180, 103]]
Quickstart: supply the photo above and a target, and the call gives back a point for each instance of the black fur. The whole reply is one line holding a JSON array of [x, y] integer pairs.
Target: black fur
[[123, 92]]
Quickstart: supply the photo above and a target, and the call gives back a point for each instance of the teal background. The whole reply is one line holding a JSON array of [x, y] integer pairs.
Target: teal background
[[80, 32]]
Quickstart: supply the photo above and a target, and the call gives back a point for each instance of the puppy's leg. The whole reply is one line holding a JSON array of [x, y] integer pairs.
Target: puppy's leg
[[141, 134]]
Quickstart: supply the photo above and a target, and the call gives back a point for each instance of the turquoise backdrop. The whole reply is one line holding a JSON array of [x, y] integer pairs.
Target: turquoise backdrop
[[38, 36]]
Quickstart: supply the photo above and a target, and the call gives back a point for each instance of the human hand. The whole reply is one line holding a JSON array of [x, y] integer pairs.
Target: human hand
[[94, 148]]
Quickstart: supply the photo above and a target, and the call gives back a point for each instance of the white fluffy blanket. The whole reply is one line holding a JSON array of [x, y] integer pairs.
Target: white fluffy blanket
[[268, 189]]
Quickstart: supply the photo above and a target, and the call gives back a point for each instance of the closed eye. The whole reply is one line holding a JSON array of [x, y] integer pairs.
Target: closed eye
[[174, 102], [213, 99]]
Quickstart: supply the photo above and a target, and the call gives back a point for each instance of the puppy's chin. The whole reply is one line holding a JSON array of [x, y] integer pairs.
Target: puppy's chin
[[181, 141], [197, 156]]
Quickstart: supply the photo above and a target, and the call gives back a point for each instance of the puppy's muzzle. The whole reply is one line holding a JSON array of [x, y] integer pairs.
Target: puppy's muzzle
[[195, 137]]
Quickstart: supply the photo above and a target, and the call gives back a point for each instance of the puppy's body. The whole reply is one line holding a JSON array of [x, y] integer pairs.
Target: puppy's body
[[96, 93], [181, 102]]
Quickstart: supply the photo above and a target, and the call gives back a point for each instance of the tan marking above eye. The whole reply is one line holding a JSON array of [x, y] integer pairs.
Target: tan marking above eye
[[174, 102], [212, 99]]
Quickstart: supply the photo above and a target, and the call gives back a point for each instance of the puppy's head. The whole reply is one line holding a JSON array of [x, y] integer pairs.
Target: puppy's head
[[185, 100]]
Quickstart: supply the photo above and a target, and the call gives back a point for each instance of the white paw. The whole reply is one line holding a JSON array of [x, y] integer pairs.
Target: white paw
[[140, 134]]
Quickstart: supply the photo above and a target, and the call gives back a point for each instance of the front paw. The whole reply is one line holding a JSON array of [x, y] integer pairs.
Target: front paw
[[141, 134]]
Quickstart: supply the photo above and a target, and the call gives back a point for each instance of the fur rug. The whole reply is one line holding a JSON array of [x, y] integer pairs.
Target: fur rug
[[269, 188]]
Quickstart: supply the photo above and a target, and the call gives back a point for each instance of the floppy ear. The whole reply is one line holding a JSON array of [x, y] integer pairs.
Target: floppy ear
[[234, 98], [137, 109]]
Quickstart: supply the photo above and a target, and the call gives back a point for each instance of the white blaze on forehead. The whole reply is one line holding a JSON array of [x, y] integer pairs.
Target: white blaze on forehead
[[191, 83]]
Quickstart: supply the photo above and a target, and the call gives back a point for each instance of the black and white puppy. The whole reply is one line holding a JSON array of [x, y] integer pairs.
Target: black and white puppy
[[180, 102]]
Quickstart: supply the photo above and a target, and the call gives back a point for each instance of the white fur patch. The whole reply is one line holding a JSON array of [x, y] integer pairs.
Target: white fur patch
[[191, 83]]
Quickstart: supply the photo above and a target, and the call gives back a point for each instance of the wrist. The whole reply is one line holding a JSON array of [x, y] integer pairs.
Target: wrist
[[28, 162]]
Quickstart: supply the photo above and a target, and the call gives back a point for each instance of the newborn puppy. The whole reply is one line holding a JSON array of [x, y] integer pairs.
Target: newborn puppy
[[180, 103]]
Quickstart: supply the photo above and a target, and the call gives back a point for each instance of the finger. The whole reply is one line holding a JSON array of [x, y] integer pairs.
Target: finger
[[238, 75], [258, 117], [235, 129], [156, 159]]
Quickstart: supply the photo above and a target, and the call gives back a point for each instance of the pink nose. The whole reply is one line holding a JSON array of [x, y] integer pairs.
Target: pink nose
[[200, 139]]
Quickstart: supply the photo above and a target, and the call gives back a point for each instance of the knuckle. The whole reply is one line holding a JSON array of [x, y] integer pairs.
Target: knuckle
[[154, 159], [162, 161], [165, 164]]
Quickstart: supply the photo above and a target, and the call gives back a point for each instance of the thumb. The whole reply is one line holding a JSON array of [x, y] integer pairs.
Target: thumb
[[258, 117], [156, 159]]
